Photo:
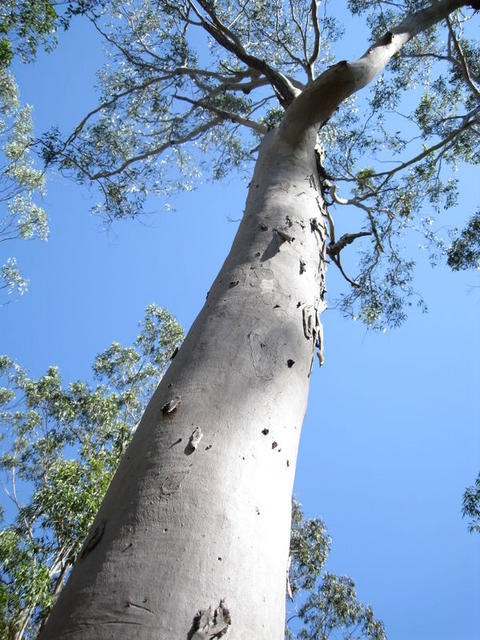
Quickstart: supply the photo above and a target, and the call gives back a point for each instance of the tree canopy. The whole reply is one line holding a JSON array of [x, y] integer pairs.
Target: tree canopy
[[22, 183], [195, 76]]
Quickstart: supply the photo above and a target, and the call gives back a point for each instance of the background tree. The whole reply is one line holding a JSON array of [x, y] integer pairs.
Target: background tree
[[325, 604], [471, 506], [25, 27], [21, 182], [60, 449], [380, 290]]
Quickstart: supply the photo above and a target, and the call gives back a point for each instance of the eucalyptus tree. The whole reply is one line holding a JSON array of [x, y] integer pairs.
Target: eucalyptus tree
[[191, 540], [21, 183], [321, 605], [26, 26], [60, 446]]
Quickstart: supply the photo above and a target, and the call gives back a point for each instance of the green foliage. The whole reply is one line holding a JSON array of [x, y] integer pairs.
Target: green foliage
[[464, 252], [29, 25], [323, 605], [471, 506], [396, 155], [21, 183], [190, 87], [171, 92], [334, 607], [309, 549], [61, 446], [26, 25], [6, 53]]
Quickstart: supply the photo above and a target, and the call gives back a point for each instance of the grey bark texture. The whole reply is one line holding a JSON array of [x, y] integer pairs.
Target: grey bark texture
[[187, 525], [192, 538]]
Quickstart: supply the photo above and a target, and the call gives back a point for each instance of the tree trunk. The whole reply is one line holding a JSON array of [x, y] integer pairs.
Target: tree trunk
[[191, 541], [192, 538]]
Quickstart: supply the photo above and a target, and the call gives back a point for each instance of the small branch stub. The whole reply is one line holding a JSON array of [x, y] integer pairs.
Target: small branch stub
[[171, 406], [334, 249], [283, 236]]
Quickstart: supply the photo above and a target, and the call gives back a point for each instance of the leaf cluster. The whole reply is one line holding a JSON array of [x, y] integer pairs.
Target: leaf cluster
[[394, 156], [29, 25], [22, 183], [471, 506], [324, 605], [464, 252]]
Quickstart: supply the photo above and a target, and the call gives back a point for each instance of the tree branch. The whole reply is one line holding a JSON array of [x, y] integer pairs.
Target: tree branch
[[334, 249], [316, 44], [229, 41], [226, 115], [463, 62], [154, 151], [426, 152], [321, 98]]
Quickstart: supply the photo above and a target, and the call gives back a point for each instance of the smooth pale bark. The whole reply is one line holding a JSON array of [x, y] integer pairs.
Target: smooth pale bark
[[181, 530], [192, 524], [314, 106]]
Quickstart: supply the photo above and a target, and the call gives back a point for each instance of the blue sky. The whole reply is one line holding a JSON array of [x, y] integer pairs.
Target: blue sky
[[391, 437]]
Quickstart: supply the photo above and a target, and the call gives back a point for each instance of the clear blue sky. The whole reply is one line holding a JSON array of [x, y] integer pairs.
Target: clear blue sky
[[391, 437]]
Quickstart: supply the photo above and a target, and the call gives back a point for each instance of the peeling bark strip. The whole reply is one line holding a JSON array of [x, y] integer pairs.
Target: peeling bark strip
[[307, 319], [208, 625], [171, 406], [313, 328], [320, 356], [194, 441]]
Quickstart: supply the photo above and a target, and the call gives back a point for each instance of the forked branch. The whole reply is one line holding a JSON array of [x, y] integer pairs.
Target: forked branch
[[323, 96]]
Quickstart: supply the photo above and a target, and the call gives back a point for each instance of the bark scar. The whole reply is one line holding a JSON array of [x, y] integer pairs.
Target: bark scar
[[209, 624], [93, 540], [194, 441], [263, 360], [172, 482], [137, 606]]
